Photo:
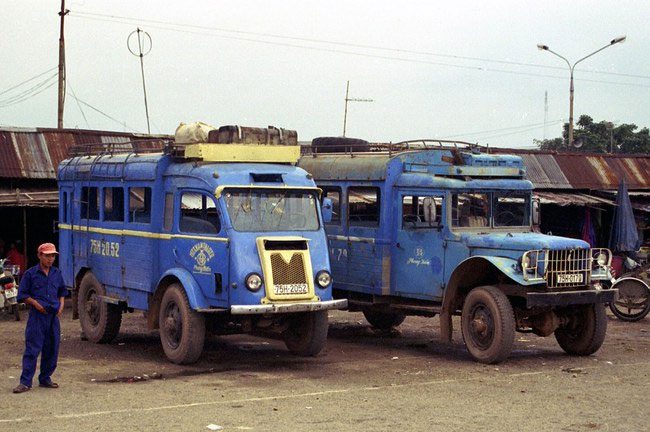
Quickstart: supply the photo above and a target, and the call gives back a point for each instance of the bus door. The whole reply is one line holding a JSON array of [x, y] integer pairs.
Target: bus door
[[364, 251], [140, 250], [106, 244], [200, 244], [418, 258], [66, 258]]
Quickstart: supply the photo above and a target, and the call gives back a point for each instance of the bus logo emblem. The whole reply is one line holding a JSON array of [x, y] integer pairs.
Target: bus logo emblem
[[201, 253]]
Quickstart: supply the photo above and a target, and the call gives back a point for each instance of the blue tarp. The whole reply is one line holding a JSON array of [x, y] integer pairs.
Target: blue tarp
[[624, 236]]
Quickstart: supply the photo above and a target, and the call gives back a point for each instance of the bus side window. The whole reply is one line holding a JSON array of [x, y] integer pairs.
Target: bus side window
[[114, 204], [198, 214], [421, 212], [89, 203], [363, 206], [334, 193], [169, 212], [140, 204]]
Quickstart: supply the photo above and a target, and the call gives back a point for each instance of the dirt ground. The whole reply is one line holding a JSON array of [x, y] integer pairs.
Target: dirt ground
[[405, 380]]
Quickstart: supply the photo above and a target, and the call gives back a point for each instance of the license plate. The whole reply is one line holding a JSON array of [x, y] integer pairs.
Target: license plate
[[284, 289], [570, 278], [11, 293]]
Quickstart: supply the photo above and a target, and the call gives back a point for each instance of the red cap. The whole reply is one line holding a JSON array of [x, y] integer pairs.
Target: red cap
[[47, 248]]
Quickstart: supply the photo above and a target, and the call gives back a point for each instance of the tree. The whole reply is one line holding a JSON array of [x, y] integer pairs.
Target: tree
[[601, 137]]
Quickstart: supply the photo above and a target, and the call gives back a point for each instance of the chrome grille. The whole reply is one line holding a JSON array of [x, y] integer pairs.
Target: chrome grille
[[568, 268], [285, 273]]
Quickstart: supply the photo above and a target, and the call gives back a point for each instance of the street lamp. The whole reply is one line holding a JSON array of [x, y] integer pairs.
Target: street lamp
[[543, 47]]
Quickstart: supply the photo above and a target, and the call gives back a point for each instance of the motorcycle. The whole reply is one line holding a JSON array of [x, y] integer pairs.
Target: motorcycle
[[9, 288]]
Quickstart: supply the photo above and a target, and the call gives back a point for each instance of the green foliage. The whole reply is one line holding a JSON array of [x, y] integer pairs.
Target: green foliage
[[600, 138]]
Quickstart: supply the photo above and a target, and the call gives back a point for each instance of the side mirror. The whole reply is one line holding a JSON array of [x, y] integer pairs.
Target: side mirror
[[326, 209]]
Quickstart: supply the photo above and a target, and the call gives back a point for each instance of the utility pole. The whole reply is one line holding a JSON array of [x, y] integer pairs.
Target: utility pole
[[62, 14], [348, 99], [545, 112]]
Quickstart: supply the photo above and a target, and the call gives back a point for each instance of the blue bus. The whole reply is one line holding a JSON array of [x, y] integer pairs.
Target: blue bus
[[422, 228], [225, 237]]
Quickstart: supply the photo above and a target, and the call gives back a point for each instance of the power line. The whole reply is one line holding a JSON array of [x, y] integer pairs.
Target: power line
[[83, 114], [28, 80], [102, 113], [123, 19], [501, 129], [29, 93]]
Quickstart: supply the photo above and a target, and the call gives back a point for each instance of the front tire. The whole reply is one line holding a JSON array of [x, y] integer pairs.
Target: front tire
[[307, 333], [488, 325], [585, 332], [383, 320], [182, 330], [100, 321]]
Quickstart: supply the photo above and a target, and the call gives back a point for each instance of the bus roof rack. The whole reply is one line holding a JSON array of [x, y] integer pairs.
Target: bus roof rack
[[139, 146]]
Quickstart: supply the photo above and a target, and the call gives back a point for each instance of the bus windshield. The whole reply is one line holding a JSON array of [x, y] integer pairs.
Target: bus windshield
[[272, 210]]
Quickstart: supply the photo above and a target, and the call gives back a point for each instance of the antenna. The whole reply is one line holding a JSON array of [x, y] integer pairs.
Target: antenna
[[348, 99], [141, 41]]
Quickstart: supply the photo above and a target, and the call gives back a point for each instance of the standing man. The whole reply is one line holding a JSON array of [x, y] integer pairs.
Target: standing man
[[42, 288]]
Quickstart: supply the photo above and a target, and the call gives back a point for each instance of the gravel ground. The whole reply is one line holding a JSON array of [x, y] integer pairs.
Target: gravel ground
[[404, 380]]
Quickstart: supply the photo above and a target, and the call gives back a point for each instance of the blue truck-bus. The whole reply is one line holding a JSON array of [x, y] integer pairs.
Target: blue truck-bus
[[431, 229], [227, 237]]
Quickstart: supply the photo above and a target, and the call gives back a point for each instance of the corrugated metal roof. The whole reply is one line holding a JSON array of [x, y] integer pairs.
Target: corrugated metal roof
[[36, 153], [551, 170], [29, 197]]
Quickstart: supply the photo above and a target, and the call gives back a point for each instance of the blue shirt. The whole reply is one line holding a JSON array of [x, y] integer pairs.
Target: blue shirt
[[45, 289]]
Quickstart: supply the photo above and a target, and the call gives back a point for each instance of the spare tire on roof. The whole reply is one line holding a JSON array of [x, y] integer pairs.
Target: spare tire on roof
[[339, 145]]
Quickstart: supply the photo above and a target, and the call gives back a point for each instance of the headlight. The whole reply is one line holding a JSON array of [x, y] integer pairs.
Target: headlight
[[601, 259], [254, 282], [323, 279]]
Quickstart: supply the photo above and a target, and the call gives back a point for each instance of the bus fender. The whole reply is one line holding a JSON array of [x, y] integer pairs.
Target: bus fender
[[192, 289], [472, 272]]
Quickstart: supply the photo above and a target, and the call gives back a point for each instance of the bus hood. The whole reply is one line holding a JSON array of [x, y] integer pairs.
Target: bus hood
[[520, 241]]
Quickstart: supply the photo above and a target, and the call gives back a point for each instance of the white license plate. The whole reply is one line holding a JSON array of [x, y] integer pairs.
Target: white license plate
[[570, 278], [11, 293], [284, 289]]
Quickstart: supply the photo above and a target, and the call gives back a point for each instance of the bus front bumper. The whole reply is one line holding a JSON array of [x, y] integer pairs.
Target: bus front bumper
[[288, 308], [567, 298]]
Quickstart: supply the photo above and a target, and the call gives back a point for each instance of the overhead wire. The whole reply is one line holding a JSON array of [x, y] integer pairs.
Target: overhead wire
[[535, 125], [27, 80], [131, 20], [102, 113], [29, 93]]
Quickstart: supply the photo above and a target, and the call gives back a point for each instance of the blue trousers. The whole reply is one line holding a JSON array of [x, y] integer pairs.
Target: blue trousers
[[42, 336]]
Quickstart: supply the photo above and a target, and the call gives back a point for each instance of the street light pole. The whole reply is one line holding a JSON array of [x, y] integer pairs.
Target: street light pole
[[543, 47]]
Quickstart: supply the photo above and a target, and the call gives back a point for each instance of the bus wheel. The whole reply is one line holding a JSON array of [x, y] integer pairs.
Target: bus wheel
[[488, 324], [383, 320], [585, 332], [100, 321], [182, 330], [307, 333]]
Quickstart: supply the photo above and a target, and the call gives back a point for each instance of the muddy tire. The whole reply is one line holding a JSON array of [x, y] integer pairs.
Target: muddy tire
[[307, 333], [100, 321], [585, 332], [488, 325], [383, 320], [182, 330]]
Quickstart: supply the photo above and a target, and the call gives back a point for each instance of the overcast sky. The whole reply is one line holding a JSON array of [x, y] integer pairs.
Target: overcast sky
[[463, 69]]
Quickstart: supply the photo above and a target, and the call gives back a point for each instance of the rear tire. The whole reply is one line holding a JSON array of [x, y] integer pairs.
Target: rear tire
[[182, 330], [633, 302], [100, 321], [488, 324], [585, 332], [383, 320], [307, 333]]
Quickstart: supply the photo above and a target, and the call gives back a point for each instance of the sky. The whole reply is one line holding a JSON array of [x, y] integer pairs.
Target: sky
[[463, 70]]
